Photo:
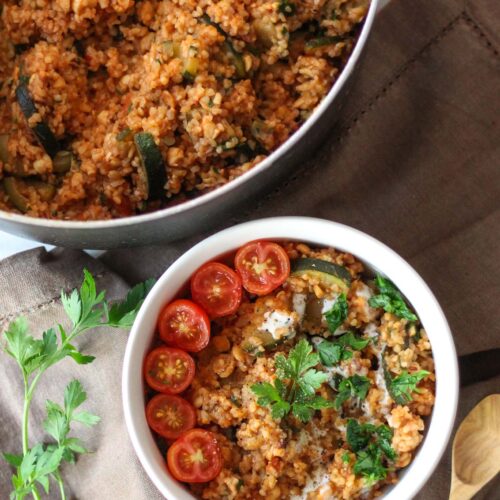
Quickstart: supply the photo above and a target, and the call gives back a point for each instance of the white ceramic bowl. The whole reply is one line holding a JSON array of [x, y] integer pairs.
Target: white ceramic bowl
[[377, 257]]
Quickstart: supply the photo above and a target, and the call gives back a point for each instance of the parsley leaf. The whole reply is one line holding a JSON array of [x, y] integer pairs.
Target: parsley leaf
[[272, 395], [358, 435], [332, 352], [369, 465], [356, 386], [404, 384], [122, 314], [295, 385], [371, 444], [391, 300], [338, 313], [351, 340]]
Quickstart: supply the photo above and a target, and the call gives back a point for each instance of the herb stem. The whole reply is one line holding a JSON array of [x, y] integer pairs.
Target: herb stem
[[61, 485], [26, 410]]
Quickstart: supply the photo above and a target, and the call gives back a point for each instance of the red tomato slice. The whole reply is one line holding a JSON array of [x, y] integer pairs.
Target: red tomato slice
[[263, 266], [185, 325], [170, 416], [169, 370], [195, 457], [216, 288]]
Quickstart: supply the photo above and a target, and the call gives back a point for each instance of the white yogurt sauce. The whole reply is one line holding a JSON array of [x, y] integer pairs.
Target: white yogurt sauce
[[279, 324], [299, 304], [320, 479]]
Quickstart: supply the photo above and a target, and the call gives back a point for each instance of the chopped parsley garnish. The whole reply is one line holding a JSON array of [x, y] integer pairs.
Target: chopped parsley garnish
[[295, 385], [391, 300], [372, 445], [337, 314], [352, 387], [332, 352], [401, 387]]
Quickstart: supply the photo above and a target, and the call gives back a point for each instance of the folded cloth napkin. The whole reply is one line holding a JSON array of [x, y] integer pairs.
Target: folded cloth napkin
[[414, 161]]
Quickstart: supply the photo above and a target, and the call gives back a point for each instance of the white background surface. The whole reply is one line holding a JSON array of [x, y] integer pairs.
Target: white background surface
[[10, 245]]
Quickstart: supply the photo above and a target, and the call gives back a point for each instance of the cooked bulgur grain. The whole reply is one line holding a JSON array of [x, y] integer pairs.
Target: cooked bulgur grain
[[286, 458], [217, 84]]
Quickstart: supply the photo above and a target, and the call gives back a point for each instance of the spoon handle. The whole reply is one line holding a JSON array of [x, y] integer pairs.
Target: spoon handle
[[462, 491]]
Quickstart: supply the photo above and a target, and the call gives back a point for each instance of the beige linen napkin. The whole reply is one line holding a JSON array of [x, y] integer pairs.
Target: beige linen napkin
[[414, 161], [30, 285]]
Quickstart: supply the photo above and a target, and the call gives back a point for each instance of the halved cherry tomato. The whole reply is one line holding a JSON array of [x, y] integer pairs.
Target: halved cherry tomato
[[170, 416], [184, 324], [195, 457], [216, 288], [169, 370], [263, 266]]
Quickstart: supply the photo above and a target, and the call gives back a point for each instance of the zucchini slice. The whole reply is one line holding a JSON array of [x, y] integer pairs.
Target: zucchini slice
[[41, 130], [236, 59], [325, 271], [62, 162], [152, 166], [15, 196], [4, 150], [322, 41], [232, 54], [13, 187], [259, 342]]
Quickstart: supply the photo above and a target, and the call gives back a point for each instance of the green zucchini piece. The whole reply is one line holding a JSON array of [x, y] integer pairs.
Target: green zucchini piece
[[233, 55], [236, 59], [266, 31], [62, 162], [259, 342], [17, 199], [41, 130], [325, 271], [4, 150], [190, 69], [322, 41], [153, 168]]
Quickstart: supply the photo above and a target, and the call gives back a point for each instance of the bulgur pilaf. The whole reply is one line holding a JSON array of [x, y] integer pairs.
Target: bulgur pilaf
[[112, 108], [357, 412]]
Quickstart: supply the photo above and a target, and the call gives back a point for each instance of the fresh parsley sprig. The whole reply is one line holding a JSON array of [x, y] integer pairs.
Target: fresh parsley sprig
[[295, 386], [332, 352], [372, 446], [338, 313], [356, 386], [391, 300], [43, 461], [86, 310], [402, 386]]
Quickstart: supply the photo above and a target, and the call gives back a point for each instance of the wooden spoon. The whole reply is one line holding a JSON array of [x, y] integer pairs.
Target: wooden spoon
[[476, 449]]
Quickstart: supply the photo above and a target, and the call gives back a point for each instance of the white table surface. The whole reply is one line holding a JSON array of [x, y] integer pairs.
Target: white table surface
[[9, 245]]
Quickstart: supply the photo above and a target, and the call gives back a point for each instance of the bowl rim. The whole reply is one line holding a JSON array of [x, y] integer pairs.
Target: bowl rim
[[322, 232], [222, 190]]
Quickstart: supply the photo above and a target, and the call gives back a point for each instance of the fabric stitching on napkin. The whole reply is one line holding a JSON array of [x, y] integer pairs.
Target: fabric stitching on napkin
[[41, 305], [478, 30], [344, 131]]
